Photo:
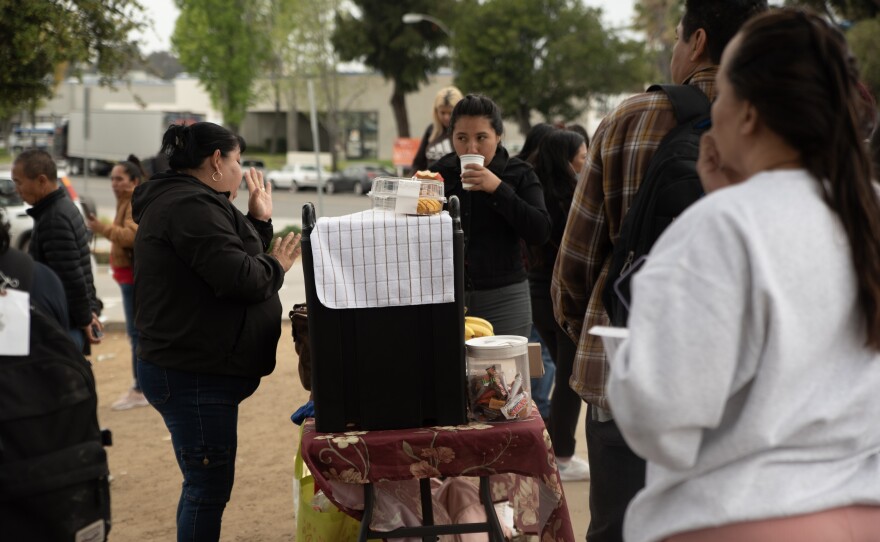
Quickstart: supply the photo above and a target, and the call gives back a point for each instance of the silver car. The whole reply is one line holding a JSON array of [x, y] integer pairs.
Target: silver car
[[296, 176], [14, 210]]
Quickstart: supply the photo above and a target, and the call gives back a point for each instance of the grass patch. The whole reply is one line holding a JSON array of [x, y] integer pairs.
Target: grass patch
[[283, 233]]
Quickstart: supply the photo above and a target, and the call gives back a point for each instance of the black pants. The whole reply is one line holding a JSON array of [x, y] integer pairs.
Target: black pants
[[565, 404], [616, 475]]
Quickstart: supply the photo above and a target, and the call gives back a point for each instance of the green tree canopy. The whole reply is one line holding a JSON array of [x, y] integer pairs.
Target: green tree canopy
[[224, 44], [864, 40], [852, 10], [403, 53], [658, 19], [547, 56], [39, 40]]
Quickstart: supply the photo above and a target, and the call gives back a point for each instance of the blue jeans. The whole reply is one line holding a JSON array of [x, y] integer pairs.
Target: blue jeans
[[201, 412], [128, 307], [543, 385]]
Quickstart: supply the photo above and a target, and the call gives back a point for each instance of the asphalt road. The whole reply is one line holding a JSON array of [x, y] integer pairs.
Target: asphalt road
[[287, 205], [287, 210]]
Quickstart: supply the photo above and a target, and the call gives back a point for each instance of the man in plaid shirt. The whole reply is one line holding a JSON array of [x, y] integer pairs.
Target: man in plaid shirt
[[622, 149]]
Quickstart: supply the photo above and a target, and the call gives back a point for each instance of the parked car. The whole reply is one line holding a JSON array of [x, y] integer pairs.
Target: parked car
[[296, 176], [15, 209], [97, 168], [359, 177], [15, 212], [246, 164]]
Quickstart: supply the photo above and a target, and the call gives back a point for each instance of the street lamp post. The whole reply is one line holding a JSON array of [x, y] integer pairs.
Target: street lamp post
[[413, 18]]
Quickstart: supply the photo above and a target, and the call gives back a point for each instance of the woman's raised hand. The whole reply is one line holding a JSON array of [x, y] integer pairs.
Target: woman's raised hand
[[287, 249], [259, 195], [713, 175]]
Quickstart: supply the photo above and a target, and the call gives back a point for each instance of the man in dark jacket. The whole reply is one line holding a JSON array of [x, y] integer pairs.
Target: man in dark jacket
[[60, 239]]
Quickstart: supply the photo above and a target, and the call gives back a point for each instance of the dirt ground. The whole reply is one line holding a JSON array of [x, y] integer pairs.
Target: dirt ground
[[146, 480]]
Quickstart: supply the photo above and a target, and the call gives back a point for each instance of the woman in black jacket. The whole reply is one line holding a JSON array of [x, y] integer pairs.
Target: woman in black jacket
[[504, 204], [207, 307], [559, 159]]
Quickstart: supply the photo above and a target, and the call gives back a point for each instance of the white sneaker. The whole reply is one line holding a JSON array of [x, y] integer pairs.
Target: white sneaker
[[130, 399], [573, 470]]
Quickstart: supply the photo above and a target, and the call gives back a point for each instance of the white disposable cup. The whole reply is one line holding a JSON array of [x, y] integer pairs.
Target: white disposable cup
[[470, 159]]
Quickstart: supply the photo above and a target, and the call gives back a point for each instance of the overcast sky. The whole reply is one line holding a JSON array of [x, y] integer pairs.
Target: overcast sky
[[164, 13]]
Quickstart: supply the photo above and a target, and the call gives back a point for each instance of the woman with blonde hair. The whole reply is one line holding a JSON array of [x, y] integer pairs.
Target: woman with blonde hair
[[749, 382], [435, 143]]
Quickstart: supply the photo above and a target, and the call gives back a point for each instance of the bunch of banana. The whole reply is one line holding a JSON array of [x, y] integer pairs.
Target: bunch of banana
[[428, 206], [476, 327]]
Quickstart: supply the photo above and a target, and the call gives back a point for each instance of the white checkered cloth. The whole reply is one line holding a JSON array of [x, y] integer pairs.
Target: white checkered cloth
[[383, 259]]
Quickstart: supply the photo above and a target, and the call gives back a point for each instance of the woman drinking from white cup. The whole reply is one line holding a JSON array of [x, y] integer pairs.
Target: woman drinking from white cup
[[504, 203]]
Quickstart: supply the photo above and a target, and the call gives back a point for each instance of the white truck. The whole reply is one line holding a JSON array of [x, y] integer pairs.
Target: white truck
[[108, 136]]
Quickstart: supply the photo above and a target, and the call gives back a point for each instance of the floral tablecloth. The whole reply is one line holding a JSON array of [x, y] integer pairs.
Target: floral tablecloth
[[517, 455]]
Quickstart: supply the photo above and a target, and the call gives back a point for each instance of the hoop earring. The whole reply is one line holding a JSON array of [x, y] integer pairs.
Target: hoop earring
[[215, 173]]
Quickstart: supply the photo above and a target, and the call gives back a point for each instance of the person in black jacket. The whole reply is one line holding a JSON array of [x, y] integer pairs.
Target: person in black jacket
[[206, 307], [60, 240], [558, 161], [504, 204]]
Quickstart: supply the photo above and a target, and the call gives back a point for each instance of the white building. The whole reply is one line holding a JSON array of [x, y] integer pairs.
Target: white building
[[368, 127]]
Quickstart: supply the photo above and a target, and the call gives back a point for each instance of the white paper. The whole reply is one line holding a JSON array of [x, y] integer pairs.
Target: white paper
[[407, 197], [15, 323]]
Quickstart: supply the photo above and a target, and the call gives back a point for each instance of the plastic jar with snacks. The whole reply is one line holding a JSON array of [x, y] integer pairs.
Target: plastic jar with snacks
[[498, 378]]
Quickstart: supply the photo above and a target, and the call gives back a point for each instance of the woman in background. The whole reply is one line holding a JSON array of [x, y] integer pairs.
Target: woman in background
[[435, 143], [542, 386], [749, 382], [536, 135], [124, 177], [558, 162]]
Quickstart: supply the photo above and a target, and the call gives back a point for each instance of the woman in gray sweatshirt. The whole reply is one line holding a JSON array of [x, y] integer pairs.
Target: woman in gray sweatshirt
[[751, 378]]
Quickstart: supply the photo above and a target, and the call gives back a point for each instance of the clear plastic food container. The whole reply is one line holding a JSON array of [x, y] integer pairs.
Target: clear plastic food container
[[392, 186], [407, 196]]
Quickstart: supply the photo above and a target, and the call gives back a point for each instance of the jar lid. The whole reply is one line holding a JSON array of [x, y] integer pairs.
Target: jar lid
[[497, 346]]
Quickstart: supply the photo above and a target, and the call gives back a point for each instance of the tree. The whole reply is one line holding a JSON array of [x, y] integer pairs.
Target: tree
[[222, 42], [378, 37], [861, 19], [548, 56], [318, 59], [864, 40], [40, 40], [301, 45], [658, 19], [851, 10], [163, 64]]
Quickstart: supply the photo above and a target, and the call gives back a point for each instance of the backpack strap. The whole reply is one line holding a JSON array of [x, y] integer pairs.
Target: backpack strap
[[688, 101]]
